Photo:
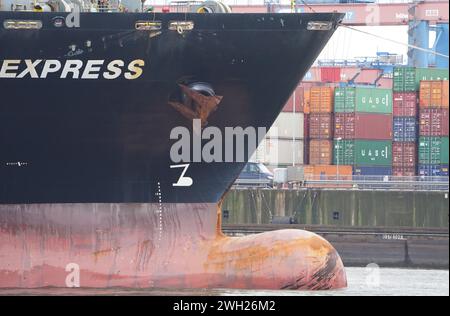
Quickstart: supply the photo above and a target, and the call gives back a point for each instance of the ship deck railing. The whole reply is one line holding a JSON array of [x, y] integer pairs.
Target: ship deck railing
[[184, 6], [108, 7]]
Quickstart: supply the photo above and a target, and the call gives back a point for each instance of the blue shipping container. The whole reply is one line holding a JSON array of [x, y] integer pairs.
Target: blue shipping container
[[372, 171], [405, 129], [433, 170]]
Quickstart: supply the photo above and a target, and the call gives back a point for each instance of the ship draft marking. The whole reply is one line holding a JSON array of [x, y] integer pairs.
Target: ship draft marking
[[183, 181]]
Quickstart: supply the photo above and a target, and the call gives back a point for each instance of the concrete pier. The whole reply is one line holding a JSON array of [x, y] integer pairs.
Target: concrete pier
[[352, 208]]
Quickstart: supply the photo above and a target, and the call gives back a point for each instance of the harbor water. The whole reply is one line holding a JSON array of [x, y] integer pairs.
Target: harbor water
[[369, 281]]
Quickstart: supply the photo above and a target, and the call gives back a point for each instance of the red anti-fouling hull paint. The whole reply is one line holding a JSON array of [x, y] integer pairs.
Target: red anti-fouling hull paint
[[151, 245]]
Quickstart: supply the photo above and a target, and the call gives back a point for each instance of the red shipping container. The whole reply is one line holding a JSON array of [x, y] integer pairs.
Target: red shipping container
[[373, 126], [344, 125], [405, 104], [404, 155], [330, 74], [385, 83], [368, 76], [308, 85], [313, 75], [363, 126], [289, 107], [321, 126], [433, 122], [348, 73], [403, 172]]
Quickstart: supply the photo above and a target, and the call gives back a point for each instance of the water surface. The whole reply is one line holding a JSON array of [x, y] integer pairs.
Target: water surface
[[369, 281]]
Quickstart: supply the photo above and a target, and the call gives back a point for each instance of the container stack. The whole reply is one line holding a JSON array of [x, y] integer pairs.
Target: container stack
[[320, 125], [407, 79], [405, 123], [345, 116], [434, 128], [284, 143], [363, 130], [409, 150]]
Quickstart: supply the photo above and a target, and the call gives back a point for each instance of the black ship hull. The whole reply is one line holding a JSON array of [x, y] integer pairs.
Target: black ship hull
[[97, 140], [86, 175]]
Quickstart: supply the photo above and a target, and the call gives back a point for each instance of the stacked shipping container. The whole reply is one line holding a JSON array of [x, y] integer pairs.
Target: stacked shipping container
[[375, 131], [433, 130], [431, 120], [284, 143], [407, 79], [404, 146], [404, 158], [347, 74], [320, 125], [363, 129]]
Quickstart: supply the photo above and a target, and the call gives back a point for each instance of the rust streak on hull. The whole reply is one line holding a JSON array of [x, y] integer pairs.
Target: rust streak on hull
[[123, 245]]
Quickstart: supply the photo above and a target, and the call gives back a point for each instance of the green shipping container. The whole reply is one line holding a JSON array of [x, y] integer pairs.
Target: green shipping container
[[365, 100], [362, 153], [404, 79], [408, 78], [344, 152], [430, 74], [444, 151], [433, 150], [344, 100]]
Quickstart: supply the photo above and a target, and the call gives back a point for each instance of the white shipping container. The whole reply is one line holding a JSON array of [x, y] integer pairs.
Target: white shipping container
[[280, 175], [288, 126], [295, 173], [275, 152]]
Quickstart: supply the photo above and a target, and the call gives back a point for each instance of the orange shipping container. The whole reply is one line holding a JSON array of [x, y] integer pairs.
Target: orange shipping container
[[321, 99], [445, 94], [321, 152], [434, 94], [328, 172], [306, 100]]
